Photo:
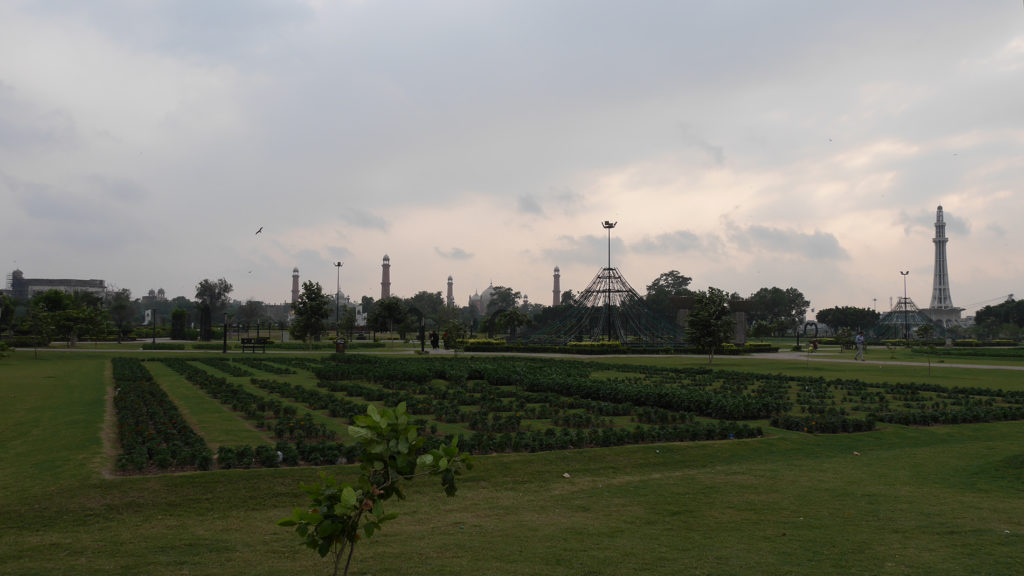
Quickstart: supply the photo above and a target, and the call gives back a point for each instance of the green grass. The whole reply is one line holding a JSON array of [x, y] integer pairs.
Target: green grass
[[942, 500]]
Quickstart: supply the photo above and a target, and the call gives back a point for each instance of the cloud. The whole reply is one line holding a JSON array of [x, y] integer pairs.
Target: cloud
[[693, 140], [924, 220], [527, 204], [814, 246], [361, 218], [587, 249], [453, 254], [669, 242]]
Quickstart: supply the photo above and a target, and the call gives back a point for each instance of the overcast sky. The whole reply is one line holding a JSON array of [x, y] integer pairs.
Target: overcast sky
[[745, 144]]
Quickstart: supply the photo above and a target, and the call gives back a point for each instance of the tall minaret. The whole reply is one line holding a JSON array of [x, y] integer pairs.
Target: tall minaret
[[940, 283], [385, 278], [556, 294], [451, 292], [295, 284]]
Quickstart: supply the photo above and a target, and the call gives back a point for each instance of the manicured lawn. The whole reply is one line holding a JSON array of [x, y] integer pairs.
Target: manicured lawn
[[939, 500]]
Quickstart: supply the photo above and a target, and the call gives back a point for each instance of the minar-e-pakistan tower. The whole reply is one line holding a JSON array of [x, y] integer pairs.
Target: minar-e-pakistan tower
[[941, 309]]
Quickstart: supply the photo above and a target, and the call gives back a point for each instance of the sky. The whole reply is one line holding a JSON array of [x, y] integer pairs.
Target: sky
[[746, 144]]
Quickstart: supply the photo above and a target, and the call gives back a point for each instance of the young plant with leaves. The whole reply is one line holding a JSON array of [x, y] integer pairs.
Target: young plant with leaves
[[341, 513]]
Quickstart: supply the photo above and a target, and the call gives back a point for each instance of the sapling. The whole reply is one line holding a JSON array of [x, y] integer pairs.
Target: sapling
[[340, 513]]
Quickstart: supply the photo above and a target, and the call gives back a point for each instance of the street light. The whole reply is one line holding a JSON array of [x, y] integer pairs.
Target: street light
[[337, 300], [608, 225], [906, 323]]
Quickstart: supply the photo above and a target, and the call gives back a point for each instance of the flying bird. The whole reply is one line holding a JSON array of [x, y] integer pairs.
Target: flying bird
[[260, 230]]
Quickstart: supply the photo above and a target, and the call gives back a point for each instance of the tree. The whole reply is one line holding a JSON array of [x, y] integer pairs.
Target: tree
[[386, 314], [568, 298], [785, 310], [179, 324], [454, 334], [925, 332], [662, 289], [848, 317], [510, 320], [710, 323], [212, 300], [502, 298], [6, 313], [340, 514], [311, 309], [251, 312], [122, 312], [429, 304], [347, 323]]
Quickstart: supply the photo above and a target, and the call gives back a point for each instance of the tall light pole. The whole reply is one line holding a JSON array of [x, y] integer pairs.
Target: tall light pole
[[337, 300], [608, 225], [906, 323]]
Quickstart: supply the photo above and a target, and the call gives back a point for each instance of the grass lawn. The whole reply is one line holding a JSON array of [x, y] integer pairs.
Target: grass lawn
[[940, 500]]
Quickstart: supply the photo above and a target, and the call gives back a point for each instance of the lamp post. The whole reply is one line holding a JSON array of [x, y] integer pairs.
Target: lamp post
[[906, 322], [337, 300], [608, 225], [226, 333]]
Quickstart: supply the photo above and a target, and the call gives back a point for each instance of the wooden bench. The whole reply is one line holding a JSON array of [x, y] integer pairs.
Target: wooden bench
[[254, 343]]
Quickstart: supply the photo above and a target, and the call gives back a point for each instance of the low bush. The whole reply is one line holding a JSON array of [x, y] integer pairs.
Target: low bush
[[163, 346]]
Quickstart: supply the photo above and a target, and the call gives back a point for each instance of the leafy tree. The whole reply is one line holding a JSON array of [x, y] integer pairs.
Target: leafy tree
[[662, 289], [925, 332], [340, 514], [785, 310], [211, 300], [311, 309], [387, 313], [122, 312], [250, 312], [6, 313], [429, 304], [347, 323], [454, 334], [848, 317], [510, 320], [568, 298], [179, 324], [1009, 312], [710, 323], [502, 298]]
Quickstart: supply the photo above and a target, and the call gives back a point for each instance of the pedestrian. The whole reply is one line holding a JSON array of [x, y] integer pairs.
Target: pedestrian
[[859, 342]]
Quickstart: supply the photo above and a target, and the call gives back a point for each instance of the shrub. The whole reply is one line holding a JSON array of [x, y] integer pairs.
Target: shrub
[[163, 346]]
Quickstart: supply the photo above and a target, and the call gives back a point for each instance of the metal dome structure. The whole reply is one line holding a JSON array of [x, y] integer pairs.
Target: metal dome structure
[[609, 309], [903, 320]]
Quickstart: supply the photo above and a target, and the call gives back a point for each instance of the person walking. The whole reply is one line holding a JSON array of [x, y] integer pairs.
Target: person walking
[[859, 342]]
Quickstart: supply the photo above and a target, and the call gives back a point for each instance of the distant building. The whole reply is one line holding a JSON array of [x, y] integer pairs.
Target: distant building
[[23, 288], [941, 310], [154, 296], [385, 278], [480, 301]]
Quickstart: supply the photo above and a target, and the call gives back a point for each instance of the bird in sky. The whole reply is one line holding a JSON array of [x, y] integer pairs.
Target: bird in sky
[[260, 230]]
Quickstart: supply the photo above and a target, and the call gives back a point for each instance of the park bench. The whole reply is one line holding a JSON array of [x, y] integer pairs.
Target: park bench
[[254, 343]]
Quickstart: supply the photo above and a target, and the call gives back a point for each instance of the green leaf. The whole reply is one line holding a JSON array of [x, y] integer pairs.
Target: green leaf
[[348, 497], [361, 434]]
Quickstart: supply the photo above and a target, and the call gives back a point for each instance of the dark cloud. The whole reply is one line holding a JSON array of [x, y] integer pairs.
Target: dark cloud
[[453, 254], [529, 205], [816, 245], [26, 127], [361, 218], [923, 220], [691, 139], [669, 242], [587, 249]]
